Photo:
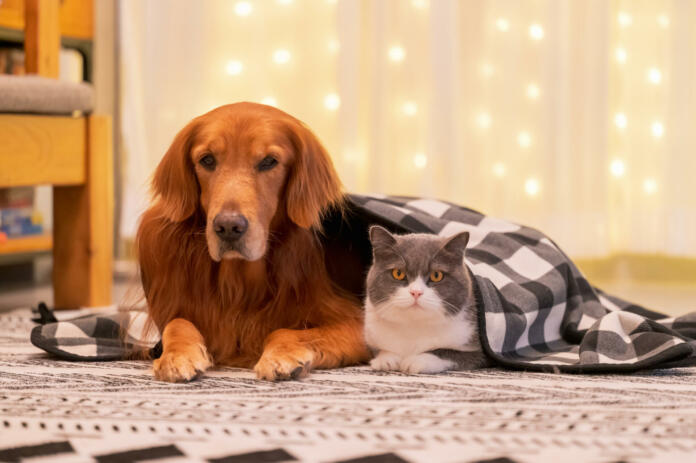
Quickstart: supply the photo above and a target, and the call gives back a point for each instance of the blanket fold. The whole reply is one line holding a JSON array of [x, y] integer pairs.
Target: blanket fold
[[536, 309]]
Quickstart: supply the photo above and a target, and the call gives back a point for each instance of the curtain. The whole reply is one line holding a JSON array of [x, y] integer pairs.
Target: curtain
[[575, 117]]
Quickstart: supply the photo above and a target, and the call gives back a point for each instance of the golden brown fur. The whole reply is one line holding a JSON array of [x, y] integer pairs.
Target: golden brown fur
[[268, 304]]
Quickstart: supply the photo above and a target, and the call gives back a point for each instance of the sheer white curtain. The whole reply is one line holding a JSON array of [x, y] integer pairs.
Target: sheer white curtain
[[576, 117]]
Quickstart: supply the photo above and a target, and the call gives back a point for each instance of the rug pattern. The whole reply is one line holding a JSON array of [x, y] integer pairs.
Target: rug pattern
[[115, 411]]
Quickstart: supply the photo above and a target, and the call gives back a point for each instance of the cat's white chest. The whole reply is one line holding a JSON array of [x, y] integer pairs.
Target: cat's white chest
[[406, 337]]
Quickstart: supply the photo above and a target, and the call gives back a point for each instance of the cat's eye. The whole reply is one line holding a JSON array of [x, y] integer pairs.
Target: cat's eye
[[398, 274], [208, 162], [267, 163], [436, 276]]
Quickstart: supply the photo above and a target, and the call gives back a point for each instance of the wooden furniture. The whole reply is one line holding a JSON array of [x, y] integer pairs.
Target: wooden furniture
[[74, 154]]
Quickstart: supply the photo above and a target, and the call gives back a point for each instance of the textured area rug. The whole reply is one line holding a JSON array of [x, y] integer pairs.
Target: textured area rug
[[116, 412]]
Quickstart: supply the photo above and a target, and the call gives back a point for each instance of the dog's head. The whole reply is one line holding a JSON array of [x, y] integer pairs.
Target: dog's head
[[245, 166]]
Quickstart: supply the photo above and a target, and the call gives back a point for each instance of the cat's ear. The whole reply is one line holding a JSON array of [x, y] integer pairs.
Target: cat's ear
[[381, 238], [456, 244]]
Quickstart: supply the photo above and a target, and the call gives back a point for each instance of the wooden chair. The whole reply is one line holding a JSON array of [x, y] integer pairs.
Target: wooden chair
[[72, 153]]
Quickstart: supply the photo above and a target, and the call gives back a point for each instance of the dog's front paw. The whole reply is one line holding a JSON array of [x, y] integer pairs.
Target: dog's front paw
[[425, 363], [385, 360], [182, 364], [287, 363]]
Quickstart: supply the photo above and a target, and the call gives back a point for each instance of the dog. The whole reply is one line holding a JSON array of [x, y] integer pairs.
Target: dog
[[231, 263]]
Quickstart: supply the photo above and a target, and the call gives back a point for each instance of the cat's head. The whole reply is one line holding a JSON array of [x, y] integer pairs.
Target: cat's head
[[418, 275]]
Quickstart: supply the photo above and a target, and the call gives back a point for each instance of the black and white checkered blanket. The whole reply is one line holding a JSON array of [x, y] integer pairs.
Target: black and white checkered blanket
[[536, 309]]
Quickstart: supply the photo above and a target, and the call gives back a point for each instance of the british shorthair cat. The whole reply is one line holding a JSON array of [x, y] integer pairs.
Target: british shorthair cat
[[420, 309]]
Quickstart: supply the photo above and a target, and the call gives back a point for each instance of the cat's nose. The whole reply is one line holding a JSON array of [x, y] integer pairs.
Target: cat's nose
[[416, 293]]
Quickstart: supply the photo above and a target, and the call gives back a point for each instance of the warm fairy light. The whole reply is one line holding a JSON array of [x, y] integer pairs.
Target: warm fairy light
[[234, 67], [420, 4], [397, 53], [654, 76], [243, 8], [483, 120], [420, 160], [502, 24], [532, 187], [270, 101], [657, 129], [650, 186], [617, 168], [620, 54], [620, 120], [532, 91], [499, 169], [536, 32], [281, 56], [524, 139], [332, 102], [409, 108], [624, 19], [487, 70], [334, 45], [663, 21]]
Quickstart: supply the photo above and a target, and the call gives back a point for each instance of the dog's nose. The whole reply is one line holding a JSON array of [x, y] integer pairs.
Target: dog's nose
[[230, 226]]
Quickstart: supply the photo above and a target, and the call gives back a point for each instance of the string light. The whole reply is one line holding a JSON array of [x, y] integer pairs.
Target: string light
[[499, 169], [397, 53], [409, 108], [536, 32], [281, 56], [243, 8], [654, 76], [663, 21], [657, 129], [620, 54], [531, 186], [620, 120], [234, 67], [334, 45], [524, 139], [624, 19], [650, 186], [487, 70], [420, 4], [532, 91], [332, 102], [502, 24], [420, 160], [617, 168], [270, 101], [483, 120]]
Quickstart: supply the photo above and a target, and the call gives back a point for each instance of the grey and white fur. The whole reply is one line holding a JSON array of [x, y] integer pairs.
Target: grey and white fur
[[420, 309]]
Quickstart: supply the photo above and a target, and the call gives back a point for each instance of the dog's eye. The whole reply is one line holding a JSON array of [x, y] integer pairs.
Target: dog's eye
[[267, 163], [208, 162]]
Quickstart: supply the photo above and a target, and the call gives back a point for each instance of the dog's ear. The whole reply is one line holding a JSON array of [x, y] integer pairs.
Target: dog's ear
[[313, 184], [174, 184]]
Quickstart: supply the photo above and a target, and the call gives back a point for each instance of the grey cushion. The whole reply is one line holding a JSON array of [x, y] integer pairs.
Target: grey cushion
[[41, 95]]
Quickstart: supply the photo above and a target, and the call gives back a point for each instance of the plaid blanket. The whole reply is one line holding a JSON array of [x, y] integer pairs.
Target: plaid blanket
[[536, 309]]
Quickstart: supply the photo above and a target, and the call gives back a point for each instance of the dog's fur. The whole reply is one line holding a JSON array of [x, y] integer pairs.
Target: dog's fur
[[267, 303]]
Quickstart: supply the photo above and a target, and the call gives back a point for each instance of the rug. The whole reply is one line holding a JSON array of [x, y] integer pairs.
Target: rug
[[64, 411]]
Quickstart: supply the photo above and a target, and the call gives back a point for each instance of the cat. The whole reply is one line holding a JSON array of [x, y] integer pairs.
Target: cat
[[420, 308]]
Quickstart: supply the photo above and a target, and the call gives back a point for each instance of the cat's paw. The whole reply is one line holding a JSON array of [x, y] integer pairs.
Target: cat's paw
[[387, 361], [425, 363]]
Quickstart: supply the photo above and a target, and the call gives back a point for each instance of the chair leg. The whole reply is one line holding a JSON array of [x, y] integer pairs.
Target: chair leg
[[83, 227]]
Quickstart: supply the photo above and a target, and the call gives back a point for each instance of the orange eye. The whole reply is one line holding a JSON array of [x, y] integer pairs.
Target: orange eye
[[436, 276], [398, 274]]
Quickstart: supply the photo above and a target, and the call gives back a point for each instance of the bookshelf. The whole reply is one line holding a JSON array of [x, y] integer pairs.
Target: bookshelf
[[26, 244]]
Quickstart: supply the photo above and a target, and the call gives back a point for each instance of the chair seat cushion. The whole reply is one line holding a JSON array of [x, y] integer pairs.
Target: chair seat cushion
[[41, 95]]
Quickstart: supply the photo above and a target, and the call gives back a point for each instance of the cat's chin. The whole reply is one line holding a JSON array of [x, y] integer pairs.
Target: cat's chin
[[409, 312]]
